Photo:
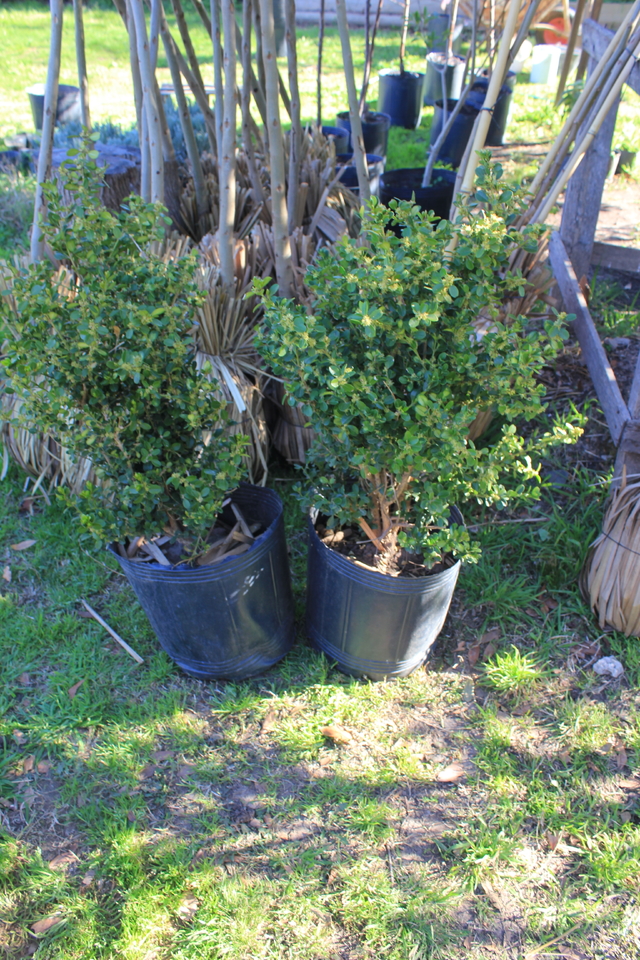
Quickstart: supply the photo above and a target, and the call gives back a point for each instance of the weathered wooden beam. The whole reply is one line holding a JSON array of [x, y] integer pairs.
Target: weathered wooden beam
[[614, 257], [595, 40], [604, 379]]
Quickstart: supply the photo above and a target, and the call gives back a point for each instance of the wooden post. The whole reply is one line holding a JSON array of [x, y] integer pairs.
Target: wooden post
[[584, 193], [48, 124], [82, 65]]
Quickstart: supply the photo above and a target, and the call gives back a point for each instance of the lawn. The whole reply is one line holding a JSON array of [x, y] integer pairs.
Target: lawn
[[484, 807]]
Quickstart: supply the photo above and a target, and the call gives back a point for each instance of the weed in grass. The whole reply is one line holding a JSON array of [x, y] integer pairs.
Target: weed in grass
[[477, 850], [512, 672], [586, 725]]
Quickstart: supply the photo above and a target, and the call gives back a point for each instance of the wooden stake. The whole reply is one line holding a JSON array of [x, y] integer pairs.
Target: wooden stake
[[357, 139], [48, 125], [81, 59], [571, 45], [116, 636]]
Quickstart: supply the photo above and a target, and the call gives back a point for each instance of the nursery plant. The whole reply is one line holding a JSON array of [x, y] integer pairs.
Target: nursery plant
[[102, 357], [391, 373]]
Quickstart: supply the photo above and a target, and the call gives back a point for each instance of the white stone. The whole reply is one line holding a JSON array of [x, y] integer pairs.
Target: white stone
[[609, 665]]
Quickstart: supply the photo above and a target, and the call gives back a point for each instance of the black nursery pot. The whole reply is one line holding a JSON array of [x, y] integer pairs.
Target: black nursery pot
[[455, 143], [349, 174], [340, 138], [400, 95], [68, 108], [498, 125], [454, 75], [233, 619], [375, 131], [406, 184], [371, 624]]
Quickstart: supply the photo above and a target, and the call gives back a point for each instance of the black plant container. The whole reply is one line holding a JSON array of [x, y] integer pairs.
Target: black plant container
[[406, 184], [454, 75], [349, 174], [371, 624], [455, 143], [400, 95], [68, 108], [233, 619], [498, 125], [340, 138], [375, 131]]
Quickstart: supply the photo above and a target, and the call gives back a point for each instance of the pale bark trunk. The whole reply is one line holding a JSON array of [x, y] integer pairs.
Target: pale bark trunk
[[48, 124], [216, 40], [186, 39], [247, 140], [227, 161], [81, 59], [148, 90], [295, 141], [319, 78], [354, 111], [282, 246]]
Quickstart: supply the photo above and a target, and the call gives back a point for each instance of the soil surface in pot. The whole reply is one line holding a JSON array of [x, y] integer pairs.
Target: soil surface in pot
[[352, 543], [230, 536]]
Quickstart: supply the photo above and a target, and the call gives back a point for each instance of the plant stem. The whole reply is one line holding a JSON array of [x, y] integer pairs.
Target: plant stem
[[319, 78], [81, 59], [405, 28]]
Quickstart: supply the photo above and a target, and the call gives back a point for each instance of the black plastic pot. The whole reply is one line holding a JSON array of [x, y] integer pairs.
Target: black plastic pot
[[375, 130], [68, 109], [233, 619], [349, 174], [371, 624], [454, 75], [340, 138], [498, 124], [406, 184], [400, 96], [437, 28], [455, 143]]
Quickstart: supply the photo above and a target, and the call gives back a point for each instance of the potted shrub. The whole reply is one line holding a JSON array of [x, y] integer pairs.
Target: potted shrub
[[102, 357], [391, 374]]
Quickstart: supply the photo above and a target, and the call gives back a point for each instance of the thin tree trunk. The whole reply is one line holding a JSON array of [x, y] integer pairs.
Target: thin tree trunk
[[568, 55], [227, 153], [135, 69], [368, 63], [281, 241], [405, 30], [216, 40], [81, 58], [186, 39], [187, 130], [247, 140], [452, 27], [295, 136], [354, 112], [148, 90], [48, 125], [319, 78], [154, 33]]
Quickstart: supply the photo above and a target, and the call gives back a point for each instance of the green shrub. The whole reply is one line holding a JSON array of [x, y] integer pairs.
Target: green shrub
[[102, 357]]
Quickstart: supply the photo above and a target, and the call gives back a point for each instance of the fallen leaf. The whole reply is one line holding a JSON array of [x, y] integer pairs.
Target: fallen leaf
[[43, 766], [490, 635], [630, 784], [24, 679], [74, 689], [268, 819], [188, 908], [6, 574], [621, 758], [186, 770], [41, 926], [131, 816], [333, 876], [255, 824], [62, 860], [269, 722], [160, 755], [451, 773], [565, 756], [474, 654], [530, 612], [19, 736], [551, 603], [625, 816], [553, 839], [28, 763], [147, 771], [489, 651], [87, 880], [336, 733], [23, 545], [521, 710]]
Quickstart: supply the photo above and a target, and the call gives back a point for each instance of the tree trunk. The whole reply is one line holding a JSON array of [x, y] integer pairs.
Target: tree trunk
[[354, 112], [216, 40], [48, 124], [148, 92], [227, 153], [282, 246], [247, 140], [295, 137], [81, 59]]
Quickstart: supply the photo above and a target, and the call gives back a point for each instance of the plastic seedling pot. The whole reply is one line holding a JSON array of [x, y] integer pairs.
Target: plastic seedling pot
[[406, 184], [500, 118], [452, 150], [371, 624], [340, 138], [454, 75], [375, 131], [68, 109], [349, 174], [233, 619], [400, 95]]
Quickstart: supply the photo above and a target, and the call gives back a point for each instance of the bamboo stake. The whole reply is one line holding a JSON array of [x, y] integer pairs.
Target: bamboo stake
[[245, 101], [580, 149], [568, 57], [281, 242], [319, 77], [484, 117], [81, 59], [227, 153], [582, 103], [48, 125], [148, 92], [357, 139], [295, 135], [116, 636], [594, 14]]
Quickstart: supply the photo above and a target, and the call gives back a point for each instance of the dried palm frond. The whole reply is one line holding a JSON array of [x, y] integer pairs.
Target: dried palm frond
[[610, 580], [249, 207], [290, 435]]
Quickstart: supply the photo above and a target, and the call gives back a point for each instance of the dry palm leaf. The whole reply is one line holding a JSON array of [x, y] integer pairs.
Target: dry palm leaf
[[610, 580]]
